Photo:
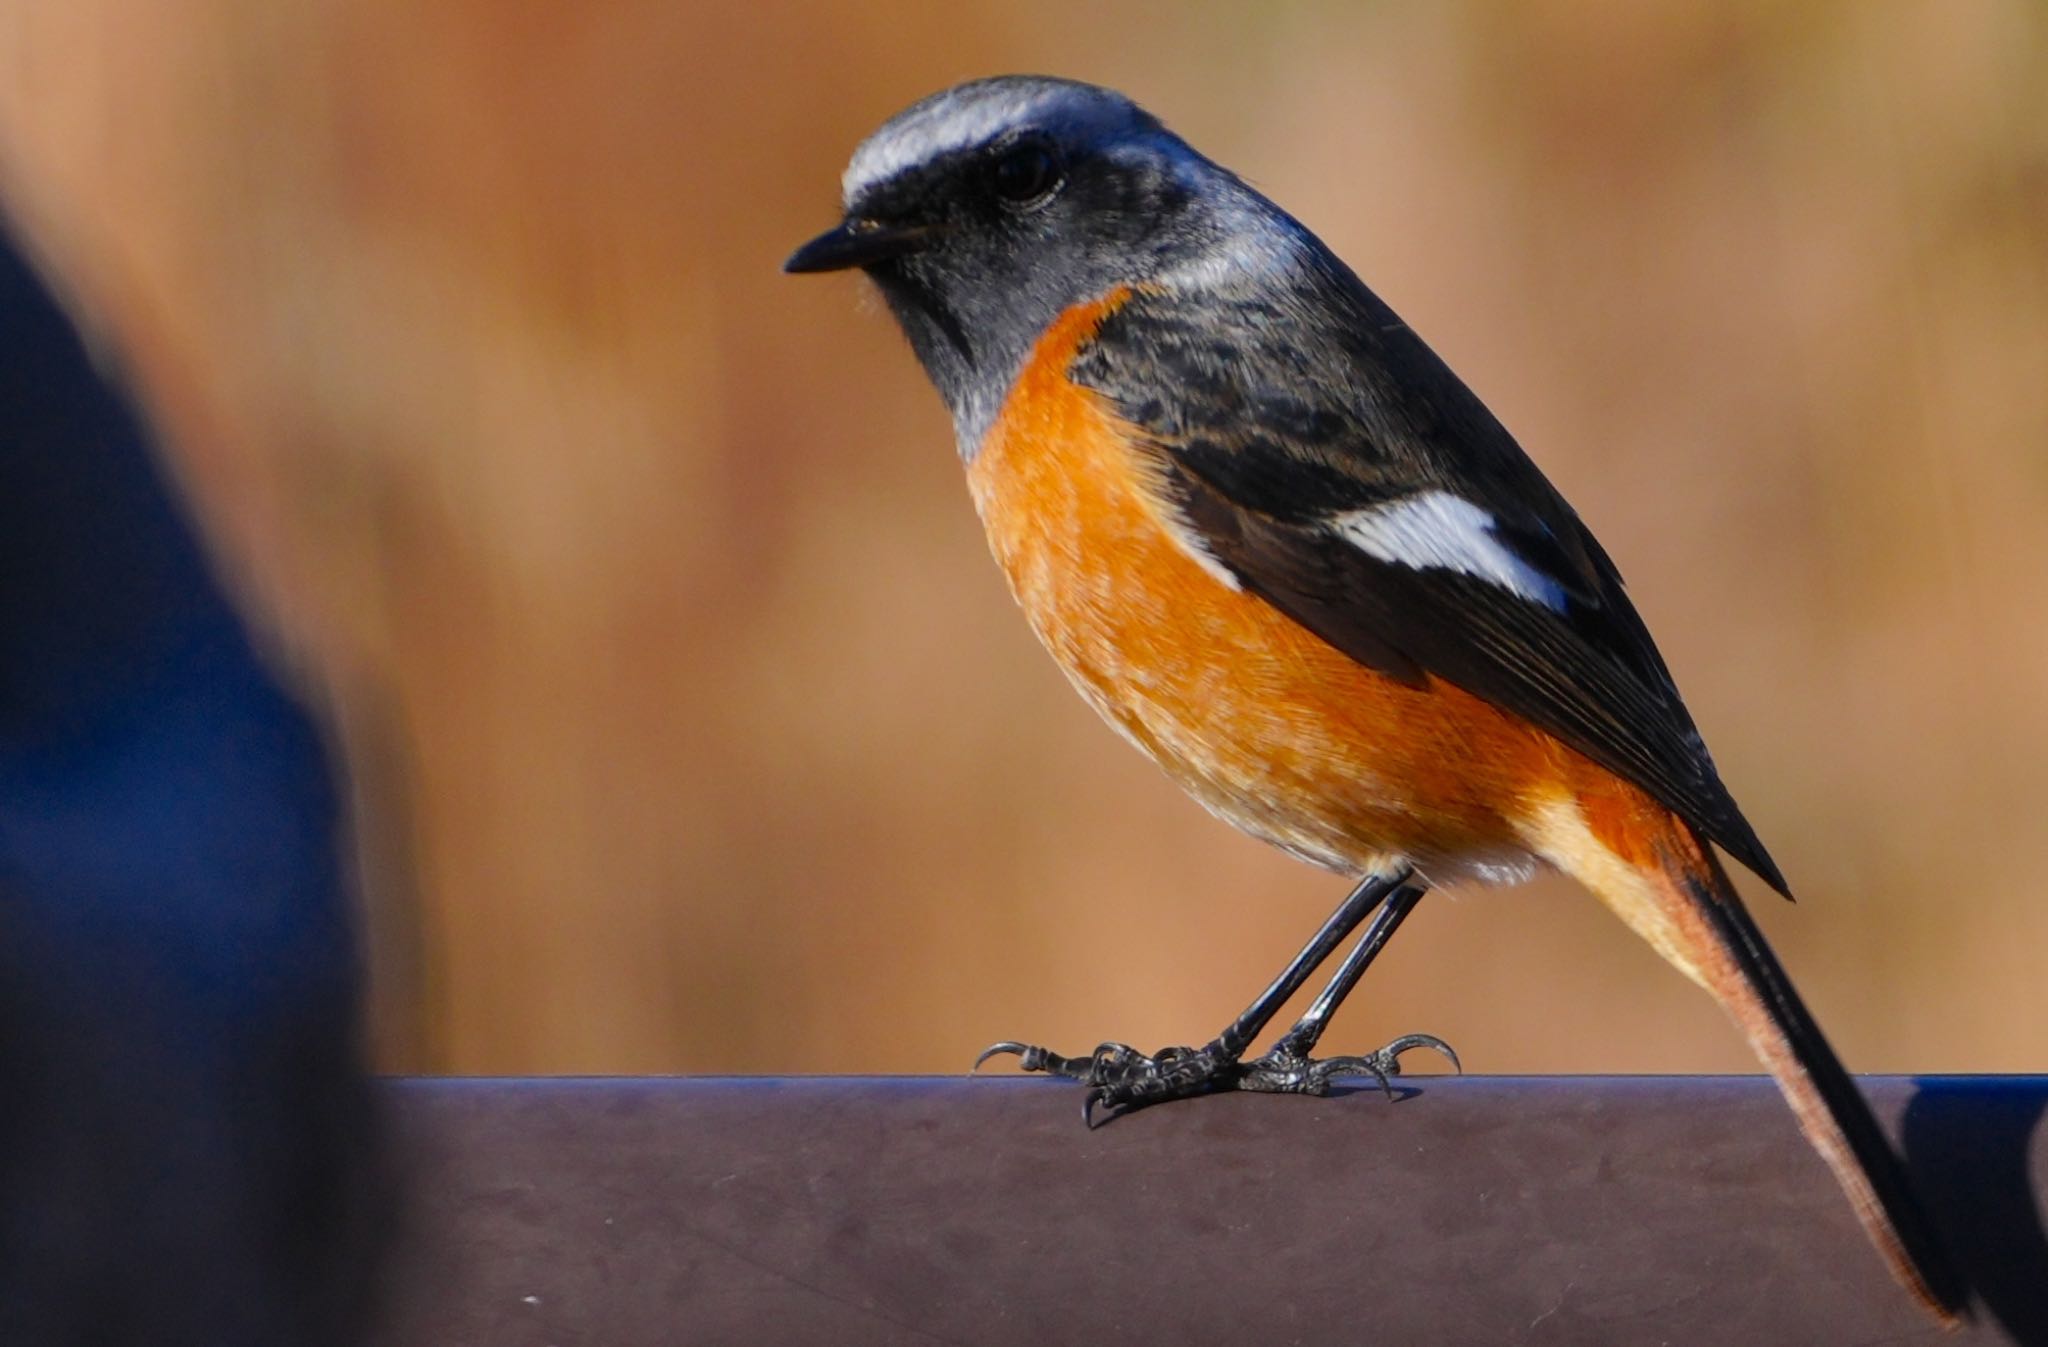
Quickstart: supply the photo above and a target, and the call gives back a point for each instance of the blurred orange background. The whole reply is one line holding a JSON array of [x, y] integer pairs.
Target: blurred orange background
[[691, 728]]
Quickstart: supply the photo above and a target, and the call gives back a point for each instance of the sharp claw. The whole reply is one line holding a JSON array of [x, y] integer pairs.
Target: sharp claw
[[996, 1050], [1031, 1057], [1391, 1054], [1088, 1102], [1374, 1066]]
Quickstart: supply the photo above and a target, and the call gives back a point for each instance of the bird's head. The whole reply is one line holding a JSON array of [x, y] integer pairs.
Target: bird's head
[[985, 211]]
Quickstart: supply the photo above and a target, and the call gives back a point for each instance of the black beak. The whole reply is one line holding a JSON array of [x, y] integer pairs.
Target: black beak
[[857, 243]]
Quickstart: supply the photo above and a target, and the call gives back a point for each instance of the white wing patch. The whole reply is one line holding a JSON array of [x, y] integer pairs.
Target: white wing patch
[[1435, 530]]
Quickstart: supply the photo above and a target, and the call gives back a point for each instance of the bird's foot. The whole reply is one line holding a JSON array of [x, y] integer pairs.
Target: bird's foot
[[1120, 1078], [1285, 1071]]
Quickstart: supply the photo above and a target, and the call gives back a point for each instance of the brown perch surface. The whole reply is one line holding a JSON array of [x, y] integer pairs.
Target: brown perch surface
[[872, 1210]]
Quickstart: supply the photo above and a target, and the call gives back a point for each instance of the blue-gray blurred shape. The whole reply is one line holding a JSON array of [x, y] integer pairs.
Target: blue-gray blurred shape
[[187, 1143]]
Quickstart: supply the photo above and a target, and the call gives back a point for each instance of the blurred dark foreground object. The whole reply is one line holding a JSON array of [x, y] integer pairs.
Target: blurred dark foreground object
[[188, 1149], [859, 1211]]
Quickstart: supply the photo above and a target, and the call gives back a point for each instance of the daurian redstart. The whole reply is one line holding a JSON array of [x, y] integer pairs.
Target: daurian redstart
[[1282, 549]]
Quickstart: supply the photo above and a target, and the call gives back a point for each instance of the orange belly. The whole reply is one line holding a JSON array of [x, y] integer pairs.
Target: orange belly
[[1255, 716]]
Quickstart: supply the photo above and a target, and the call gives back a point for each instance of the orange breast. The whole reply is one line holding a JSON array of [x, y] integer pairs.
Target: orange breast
[[1254, 715]]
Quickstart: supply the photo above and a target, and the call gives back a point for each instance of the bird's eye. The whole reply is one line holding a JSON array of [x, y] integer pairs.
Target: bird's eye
[[1025, 174]]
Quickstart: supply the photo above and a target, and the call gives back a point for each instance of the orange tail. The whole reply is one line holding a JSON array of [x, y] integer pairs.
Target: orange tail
[[1660, 879]]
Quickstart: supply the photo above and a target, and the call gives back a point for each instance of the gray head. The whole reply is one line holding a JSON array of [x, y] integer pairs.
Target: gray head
[[985, 211]]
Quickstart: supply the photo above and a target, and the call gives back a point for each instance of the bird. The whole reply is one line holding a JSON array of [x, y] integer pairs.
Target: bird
[[1283, 550]]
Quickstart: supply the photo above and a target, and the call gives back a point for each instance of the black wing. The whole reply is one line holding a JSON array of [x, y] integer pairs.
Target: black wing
[[1276, 414]]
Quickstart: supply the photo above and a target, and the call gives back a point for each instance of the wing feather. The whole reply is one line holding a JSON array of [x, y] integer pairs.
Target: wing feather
[[1266, 452]]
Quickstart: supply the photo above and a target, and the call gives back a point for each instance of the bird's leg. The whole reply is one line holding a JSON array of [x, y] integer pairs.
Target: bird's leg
[[1287, 1067], [1121, 1077]]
